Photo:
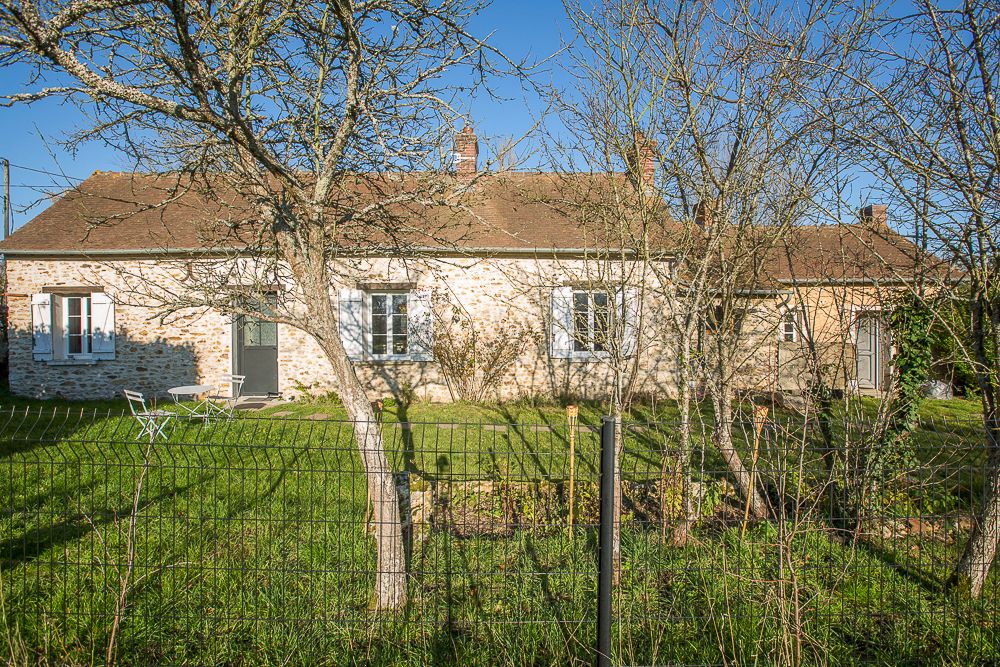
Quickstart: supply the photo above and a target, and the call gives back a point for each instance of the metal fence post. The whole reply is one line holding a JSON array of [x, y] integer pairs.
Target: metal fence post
[[605, 562]]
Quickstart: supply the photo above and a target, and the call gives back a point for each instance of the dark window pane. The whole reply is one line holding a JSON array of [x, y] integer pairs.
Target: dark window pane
[[74, 307], [379, 304], [379, 324], [602, 321], [738, 316], [790, 326], [399, 324], [380, 344], [399, 304]]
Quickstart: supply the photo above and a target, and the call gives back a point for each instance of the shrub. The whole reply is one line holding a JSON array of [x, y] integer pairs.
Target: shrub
[[475, 356]]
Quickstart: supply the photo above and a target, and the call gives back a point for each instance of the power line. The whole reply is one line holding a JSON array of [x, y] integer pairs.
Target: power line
[[47, 173], [42, 186]]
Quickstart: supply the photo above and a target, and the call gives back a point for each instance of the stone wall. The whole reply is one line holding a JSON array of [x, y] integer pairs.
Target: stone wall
[[495, 292], [196, 345], [150, 356]]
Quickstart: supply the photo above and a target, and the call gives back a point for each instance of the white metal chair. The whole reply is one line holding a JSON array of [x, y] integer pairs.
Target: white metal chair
[[153, 422], [224, 404]]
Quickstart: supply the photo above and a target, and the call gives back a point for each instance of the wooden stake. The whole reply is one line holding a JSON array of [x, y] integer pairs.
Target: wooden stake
[[572, 412]]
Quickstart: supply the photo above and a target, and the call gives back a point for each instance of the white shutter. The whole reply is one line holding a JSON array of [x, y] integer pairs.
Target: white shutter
[[102, 322], [421, 324], [630, 327], [41, 326], [352, 331], [561, 325]]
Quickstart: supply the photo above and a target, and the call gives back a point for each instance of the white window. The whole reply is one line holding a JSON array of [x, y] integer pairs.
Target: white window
[[592, 315], [791, 325], [72, 326], [77, 330], [589, 324], [380, 325], [389, 324]]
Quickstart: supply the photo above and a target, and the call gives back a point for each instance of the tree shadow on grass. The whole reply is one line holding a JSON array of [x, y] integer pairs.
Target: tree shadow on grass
[[37, 541], [550, 598]]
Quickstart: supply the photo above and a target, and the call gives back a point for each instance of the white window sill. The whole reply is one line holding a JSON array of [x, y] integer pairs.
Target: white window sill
[[71, 362]]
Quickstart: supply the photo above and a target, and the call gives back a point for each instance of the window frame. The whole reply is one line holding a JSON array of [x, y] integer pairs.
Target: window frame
[[87, 332], [713, 319], [794, 317], [391, 322], [590, 341]]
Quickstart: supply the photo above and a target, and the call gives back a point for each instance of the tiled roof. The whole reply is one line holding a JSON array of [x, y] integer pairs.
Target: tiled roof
[[513, 212], [127, 212], [845, 252]]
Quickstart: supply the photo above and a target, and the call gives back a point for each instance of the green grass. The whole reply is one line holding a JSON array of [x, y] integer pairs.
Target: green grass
[[252, 550]]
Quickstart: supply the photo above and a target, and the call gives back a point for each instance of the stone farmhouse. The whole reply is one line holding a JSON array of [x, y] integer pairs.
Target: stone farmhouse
[[79, 327]]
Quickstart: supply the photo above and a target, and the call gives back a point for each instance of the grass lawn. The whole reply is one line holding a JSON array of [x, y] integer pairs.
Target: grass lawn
[[252, 549]]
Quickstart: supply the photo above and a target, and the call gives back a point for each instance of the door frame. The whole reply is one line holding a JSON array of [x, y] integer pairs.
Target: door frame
[[882, 348], [237, 352]]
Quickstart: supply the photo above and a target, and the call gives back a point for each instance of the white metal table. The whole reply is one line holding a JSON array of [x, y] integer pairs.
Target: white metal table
[[192, 390]]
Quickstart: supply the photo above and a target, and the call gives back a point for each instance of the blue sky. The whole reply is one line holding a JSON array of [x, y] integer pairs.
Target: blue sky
[[31, 134]]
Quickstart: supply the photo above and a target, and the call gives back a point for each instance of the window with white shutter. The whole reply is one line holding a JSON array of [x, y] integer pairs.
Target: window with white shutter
[[593, 331], [561, 323], [73, 326], [792, 321], [593, 323], [351, 323], [387, 324], [102, 322], [421, 323]]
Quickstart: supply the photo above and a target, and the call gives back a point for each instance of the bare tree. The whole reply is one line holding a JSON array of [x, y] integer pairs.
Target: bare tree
[[607, 166], [730, 94], [314, 133], [727, 97], [925, 121]]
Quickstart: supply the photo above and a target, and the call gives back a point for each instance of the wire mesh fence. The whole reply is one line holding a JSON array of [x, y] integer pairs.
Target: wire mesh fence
[[253, 539]]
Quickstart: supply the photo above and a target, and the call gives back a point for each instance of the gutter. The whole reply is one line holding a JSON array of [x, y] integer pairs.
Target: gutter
[[419, 250], [812, 282]]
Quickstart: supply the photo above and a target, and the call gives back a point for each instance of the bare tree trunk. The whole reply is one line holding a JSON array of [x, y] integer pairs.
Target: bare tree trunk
[[981, 549], [681, 530], [722, 399], [390, 577]]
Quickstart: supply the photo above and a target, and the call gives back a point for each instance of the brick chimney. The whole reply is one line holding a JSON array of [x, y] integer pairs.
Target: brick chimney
[[876, 215], [643, 172], [466, 153], [703, 214]]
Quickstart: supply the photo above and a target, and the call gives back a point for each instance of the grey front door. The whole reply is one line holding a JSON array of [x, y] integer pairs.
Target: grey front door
[[868, 351], [256, 344]]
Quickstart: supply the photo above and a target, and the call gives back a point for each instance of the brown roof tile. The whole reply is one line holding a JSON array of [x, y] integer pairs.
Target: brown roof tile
[[508, 211]]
